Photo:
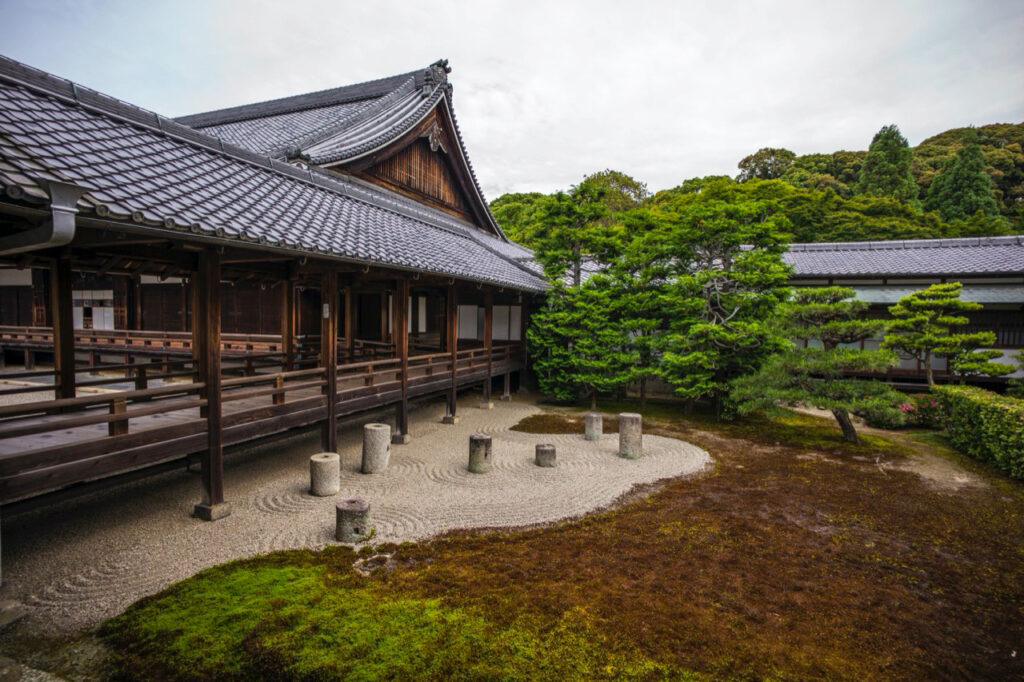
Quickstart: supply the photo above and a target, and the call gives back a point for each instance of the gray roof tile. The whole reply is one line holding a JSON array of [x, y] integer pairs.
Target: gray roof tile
[[933, 257], [162, 170]]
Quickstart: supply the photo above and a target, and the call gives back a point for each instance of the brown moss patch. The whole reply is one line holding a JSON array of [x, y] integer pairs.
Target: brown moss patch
[[783, 561]]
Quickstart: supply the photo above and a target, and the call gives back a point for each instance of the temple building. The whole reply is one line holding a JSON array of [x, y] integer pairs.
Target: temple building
[[245, 271]]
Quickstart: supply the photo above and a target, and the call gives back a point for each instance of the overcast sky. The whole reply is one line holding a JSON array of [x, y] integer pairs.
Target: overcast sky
[[547, 92]]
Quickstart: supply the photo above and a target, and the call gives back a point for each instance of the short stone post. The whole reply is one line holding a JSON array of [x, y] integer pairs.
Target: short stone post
[[376, 447], [325, 474], [593, 426], [631, 436], [479, 453], [545, 455], [353, 520]]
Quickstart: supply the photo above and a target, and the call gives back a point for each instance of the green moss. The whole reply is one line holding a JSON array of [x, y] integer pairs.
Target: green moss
[[251, 620]]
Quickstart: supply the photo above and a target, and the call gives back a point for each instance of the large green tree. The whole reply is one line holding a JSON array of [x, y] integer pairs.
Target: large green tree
[[925, 325], [516, 213], [570, 233], [721, 251], [827, 325], [963, 188], [767, 163], [886, 171]]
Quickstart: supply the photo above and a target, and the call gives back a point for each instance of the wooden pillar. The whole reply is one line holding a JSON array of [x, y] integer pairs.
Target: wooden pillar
[[383, 317], [452, 330], [488, 345], [329, 356], [350, 325], [42, 307], [288, 324], [63, 328], [205, 286], [400, 332], [133, 307]]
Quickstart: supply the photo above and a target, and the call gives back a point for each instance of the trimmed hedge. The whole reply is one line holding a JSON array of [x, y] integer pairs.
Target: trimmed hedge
[[985, 425]]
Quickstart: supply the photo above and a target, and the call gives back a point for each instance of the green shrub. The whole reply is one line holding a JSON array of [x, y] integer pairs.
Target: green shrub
[[882, 414], [985, 425], [924, 410]]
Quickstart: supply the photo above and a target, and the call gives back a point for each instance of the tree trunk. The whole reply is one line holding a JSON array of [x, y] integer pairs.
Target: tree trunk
[[928, 368], [843, 417], [593, 399], [688, 410], [643, 394]]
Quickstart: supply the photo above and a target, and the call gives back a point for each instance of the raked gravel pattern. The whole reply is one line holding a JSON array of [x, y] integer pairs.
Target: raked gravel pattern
[[80, 562]]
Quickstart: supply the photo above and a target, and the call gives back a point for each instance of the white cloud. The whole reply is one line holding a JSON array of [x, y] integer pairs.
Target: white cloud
[[547, 92]]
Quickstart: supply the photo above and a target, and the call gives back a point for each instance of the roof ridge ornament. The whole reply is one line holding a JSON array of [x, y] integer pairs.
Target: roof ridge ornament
[[436, 75]]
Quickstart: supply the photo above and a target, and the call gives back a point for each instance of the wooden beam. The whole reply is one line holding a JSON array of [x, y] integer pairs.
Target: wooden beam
[[63, 328], [400, 330], [488, 342], [288, 323], [329, 356], [452, 303], [206, 342], [350, 325]]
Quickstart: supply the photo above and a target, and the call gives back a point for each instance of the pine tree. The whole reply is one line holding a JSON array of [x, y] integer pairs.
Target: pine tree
[[925, 326], [885, 171], [827, 325], [963, 188], [724, 279]]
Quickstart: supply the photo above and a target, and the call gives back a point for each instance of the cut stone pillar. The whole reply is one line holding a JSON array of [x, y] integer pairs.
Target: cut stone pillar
[[545, 455], [594, 426], [631, 435], [325, 474], [479, 453], [376, 447], [353, 520]]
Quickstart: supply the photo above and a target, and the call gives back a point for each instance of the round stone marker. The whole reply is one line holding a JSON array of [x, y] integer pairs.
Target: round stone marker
[[353, 520], [593, 426], [324, 474], [631, 439], [376, 447], [545, 455], [479, 453]]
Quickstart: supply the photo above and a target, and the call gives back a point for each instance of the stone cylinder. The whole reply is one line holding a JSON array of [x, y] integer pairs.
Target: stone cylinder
[[593, 426], [325, 474], [353, 520], [479, 453], [631, 438], [545, 455], [376, 447]]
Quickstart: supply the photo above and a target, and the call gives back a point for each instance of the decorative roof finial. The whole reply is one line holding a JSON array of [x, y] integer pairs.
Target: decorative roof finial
[[436, 74]]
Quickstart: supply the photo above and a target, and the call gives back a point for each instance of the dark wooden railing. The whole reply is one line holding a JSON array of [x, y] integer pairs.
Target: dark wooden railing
[[50, 444]]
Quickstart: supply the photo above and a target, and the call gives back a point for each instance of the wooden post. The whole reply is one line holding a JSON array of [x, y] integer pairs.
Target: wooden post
[[329, 356], [118, 428], [400, 331], [133, 307], [383, 317], [206, 342], [288, 324], [453, 348], [350, 325], [63, 328], [488, 345]]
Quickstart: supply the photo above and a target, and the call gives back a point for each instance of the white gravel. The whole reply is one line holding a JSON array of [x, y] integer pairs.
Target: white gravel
[[79, 562]]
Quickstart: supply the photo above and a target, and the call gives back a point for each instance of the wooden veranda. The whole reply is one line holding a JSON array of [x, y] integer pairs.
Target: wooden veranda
[[157, 396]]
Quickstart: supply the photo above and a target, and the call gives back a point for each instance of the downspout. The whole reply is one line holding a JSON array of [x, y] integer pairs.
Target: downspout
[[57, 231]]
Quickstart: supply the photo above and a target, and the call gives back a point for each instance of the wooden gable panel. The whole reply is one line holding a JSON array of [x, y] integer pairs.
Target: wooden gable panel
[[425, 174]]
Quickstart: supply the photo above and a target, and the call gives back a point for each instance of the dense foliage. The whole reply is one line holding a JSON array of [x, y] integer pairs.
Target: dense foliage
[[828, 325], [985, 425], [832, 197]]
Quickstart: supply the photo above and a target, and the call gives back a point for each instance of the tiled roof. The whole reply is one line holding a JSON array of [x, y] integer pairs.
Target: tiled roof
[[334, 126], [918, 257], [143, 169]]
